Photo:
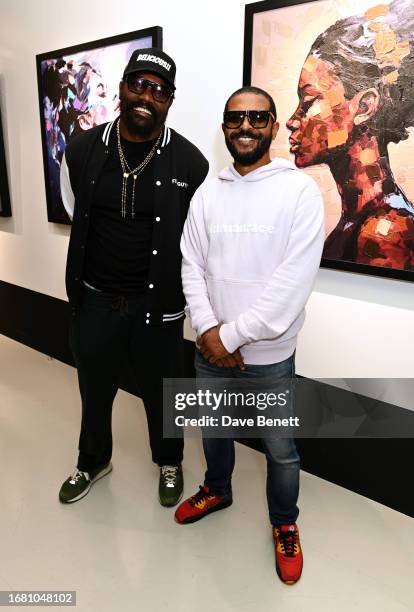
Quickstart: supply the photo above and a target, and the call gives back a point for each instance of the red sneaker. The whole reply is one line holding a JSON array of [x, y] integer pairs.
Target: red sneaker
[[199, 505], [289, 558]]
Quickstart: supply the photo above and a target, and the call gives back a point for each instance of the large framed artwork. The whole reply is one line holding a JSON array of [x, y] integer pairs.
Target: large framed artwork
[[78, 89], [342, 76], [5, 209]]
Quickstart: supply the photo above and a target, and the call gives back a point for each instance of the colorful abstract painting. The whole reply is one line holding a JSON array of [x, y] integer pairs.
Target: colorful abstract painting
[[78, 89], [342, 76], [5, 209]]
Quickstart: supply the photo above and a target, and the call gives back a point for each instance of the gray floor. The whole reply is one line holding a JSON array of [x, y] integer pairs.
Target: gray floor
[[121, 551]]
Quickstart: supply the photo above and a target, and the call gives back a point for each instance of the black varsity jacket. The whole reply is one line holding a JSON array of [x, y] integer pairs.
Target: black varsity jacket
[[179, 168]]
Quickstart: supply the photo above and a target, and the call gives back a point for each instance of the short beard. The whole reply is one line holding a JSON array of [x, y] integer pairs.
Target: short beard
[[140, 127], [249, 157]]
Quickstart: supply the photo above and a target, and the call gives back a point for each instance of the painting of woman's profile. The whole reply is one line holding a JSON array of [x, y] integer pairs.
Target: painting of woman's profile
[[348, 111]]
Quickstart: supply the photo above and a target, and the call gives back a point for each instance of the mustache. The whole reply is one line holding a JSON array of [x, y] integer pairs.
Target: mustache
[[245, 133]]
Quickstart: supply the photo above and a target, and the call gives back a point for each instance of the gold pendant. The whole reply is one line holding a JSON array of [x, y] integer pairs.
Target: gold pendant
[[126, 175]]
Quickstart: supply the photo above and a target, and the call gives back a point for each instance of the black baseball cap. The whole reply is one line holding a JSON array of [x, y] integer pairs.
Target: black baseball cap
[[152, 60]]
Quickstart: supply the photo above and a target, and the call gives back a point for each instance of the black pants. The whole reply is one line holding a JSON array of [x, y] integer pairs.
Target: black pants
[[107, 332]]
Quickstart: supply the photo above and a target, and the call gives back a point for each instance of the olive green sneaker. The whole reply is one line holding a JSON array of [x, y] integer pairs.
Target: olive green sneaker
[[79, 483], [171, 485]]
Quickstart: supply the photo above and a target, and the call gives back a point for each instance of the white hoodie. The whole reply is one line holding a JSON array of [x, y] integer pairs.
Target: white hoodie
[[251, 249]]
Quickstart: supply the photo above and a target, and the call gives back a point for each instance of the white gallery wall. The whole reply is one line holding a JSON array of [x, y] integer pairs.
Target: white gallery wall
[[357, 326]]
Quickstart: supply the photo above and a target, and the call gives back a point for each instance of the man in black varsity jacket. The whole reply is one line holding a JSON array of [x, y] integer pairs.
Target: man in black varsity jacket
[[127, 186]]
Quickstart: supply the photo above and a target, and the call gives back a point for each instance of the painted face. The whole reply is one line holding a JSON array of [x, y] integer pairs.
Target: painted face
[[323, 119], [247, 144], [93, 102], [141, 113]]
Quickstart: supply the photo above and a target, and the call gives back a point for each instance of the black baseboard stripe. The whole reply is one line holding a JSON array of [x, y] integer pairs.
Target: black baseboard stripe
[[380, 469]]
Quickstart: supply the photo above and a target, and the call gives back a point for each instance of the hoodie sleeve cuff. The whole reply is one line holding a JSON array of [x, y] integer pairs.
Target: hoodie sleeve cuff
[[230, 337], [207, 324]]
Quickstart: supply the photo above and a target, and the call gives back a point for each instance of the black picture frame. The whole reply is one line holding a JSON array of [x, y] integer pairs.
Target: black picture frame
[[267, 5], [5, 207], [55, 135]]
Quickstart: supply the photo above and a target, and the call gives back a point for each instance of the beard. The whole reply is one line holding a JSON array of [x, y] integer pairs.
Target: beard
[[248, 158], [141, 126]]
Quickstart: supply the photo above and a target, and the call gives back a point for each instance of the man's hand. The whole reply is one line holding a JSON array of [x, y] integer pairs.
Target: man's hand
[[233, 360], [213, 350], [211, 346]]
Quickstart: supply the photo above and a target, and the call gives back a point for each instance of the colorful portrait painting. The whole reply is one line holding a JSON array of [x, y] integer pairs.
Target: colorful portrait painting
[[342, 75], [5, 209], [78, 89]]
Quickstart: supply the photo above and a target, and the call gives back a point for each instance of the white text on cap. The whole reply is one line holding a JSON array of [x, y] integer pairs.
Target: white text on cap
[[144, 57]]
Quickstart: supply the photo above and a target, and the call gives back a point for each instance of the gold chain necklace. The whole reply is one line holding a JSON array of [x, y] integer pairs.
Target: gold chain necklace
[[127, 172]]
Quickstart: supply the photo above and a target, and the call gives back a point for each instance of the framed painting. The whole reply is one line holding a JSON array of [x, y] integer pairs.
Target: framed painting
[[5, 209], [78, 89], [342, 75]]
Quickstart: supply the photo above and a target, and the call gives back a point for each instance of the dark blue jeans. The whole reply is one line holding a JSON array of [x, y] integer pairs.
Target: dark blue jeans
[[283, 462]]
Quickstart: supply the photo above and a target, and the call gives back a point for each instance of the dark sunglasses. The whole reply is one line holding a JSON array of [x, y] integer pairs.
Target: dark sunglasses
[[137, 85], [257, 118]]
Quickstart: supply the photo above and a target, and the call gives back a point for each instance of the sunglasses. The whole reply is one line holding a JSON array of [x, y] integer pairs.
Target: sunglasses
[[257, 118], [137, 85]]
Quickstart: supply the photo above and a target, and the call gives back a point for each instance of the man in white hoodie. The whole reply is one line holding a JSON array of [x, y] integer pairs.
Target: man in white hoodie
[[251, 248]]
